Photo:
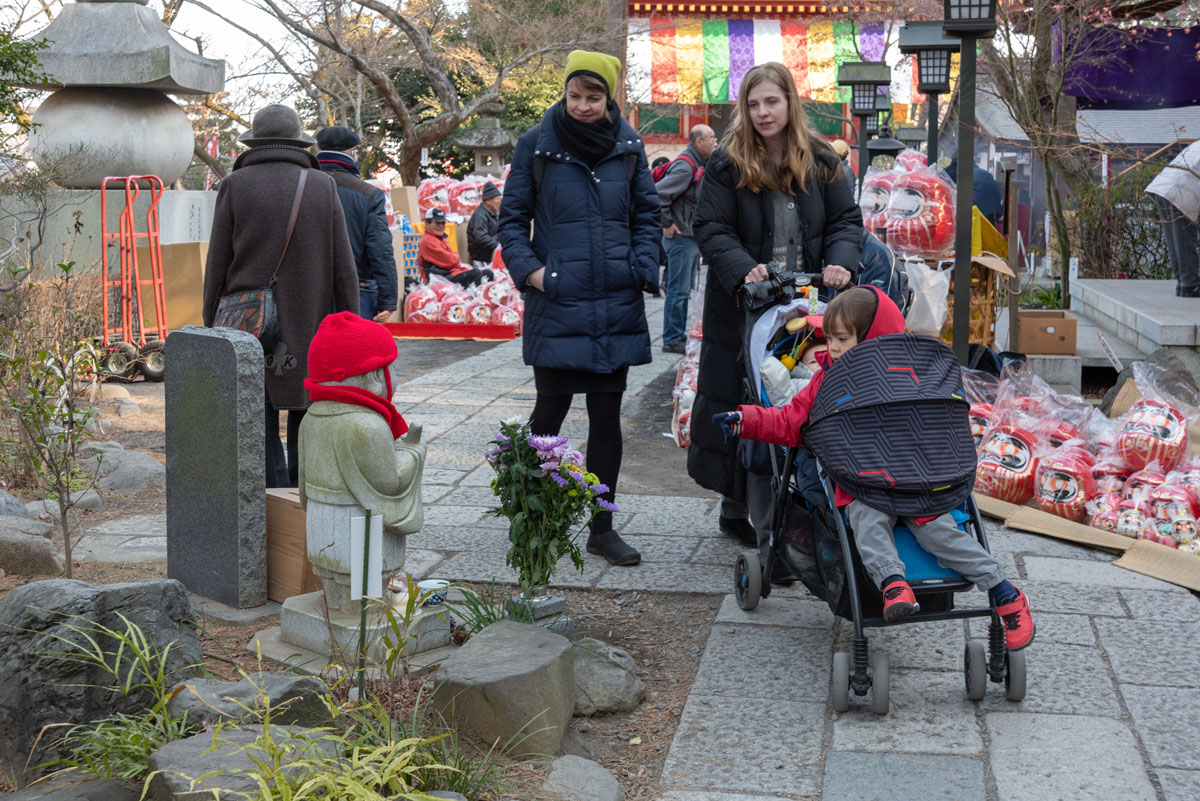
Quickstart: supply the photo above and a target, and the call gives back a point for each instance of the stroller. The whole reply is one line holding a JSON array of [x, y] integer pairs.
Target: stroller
[[812, 537]]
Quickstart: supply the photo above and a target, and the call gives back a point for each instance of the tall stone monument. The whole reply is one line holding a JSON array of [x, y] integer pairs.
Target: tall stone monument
[[112, 64]]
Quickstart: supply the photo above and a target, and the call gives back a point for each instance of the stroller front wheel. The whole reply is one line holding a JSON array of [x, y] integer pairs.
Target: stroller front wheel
[[840, 691], [1014, 677], [747, 581], [975, 670]]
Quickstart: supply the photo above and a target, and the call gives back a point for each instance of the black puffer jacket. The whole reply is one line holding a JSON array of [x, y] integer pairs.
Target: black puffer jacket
[[366, 224], [733, 228]]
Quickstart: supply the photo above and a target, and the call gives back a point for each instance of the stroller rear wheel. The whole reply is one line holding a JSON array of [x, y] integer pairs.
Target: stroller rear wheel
[[747, 581], [880, 680], [840, 691], [1014, 678], [975, 670]]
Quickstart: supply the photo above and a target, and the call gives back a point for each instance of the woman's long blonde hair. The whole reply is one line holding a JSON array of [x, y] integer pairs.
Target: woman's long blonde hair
[[748, 150]]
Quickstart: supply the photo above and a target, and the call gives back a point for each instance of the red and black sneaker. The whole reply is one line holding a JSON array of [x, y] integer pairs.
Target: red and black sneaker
[[1018, 625], [898, 601]]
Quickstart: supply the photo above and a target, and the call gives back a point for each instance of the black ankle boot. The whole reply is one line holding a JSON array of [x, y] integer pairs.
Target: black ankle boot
[[739, 529], [608, 543]]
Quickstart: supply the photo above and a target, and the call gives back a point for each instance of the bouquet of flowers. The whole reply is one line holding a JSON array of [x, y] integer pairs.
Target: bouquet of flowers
[[547, 498]]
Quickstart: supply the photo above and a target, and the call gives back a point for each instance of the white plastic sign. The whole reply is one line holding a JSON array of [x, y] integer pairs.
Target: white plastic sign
[[375, 568]]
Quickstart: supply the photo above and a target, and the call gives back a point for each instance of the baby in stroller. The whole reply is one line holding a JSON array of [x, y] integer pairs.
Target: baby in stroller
[[852, 317]]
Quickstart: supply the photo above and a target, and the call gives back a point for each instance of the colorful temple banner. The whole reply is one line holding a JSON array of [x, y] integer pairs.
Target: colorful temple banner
[[741, 53], [716, 60], [689, 57], [664, 69], [692, 61]]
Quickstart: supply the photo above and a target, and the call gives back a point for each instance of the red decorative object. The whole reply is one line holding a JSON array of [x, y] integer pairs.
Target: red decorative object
[[1170, 500], [921, 215], [876, 193], [434, 193], [1063, 432], [1153, 432], [1130, 520], [1138, 486], [1064, 485], [1007, 465], [1111, 473], [980, 414], [911, 160]]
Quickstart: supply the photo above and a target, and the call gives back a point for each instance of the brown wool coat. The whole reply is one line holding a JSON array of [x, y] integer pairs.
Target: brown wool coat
[[317, 277]]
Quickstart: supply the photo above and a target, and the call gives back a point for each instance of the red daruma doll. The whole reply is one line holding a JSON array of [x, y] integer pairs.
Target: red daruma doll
[[1007, 465], [1153, 432], [980, 414], [920, 217], [1064, 485], [876, 191]]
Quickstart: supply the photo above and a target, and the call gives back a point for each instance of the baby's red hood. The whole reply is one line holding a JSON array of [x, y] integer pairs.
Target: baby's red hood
[[888, 320]]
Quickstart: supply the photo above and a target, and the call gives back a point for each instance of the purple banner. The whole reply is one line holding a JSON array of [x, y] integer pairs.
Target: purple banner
[[1142, 68], [741, 54], [870, 41]]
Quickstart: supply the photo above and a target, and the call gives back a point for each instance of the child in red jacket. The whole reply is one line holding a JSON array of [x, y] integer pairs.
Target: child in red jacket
[[852, 317]]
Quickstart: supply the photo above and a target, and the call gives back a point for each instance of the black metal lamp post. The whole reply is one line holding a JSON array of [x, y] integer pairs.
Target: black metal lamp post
[[968, 20], [863, 77], [912, 136], [933, 50]]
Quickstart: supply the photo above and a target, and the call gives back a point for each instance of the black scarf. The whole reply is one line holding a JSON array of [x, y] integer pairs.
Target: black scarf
[[587, 141]]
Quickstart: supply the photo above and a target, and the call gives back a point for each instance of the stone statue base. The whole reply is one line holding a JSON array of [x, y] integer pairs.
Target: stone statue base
[[307, 623]]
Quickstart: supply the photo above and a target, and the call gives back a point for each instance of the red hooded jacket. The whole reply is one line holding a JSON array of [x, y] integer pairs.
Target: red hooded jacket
[[781, 426]]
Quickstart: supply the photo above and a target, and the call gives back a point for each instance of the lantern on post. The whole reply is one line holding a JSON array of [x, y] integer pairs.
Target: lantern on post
[[864, 78], [968, 20], [933, 50]]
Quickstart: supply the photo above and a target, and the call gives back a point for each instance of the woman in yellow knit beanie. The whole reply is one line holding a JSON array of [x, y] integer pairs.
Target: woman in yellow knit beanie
[[579, 231]]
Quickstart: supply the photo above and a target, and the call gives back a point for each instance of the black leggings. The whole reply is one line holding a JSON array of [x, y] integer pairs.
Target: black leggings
[[604, 438]]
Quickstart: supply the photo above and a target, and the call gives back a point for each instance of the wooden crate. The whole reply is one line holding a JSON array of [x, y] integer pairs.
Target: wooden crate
[[288, 570]]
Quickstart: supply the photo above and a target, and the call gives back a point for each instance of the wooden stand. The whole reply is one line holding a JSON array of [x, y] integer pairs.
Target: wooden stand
[[288, 570]]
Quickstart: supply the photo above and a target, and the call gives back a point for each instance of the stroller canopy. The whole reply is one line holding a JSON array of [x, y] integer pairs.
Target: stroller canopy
[[889, 424]]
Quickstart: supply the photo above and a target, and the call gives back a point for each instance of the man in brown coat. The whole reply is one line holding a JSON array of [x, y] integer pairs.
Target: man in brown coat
[[317, 275]]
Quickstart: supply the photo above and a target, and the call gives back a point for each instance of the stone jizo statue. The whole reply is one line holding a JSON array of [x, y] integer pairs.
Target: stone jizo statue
[[356, 451]]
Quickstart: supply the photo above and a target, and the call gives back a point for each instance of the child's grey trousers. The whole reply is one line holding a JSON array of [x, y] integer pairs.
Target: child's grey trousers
[[954, 548]]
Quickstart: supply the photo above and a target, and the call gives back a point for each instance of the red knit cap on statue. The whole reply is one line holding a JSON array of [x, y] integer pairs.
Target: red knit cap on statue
[[346, 345]]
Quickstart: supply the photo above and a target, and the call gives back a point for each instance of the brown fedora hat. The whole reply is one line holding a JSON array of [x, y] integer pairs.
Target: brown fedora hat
[[276, 125]]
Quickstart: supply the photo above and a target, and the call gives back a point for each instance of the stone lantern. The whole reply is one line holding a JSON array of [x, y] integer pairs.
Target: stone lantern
[[488, 140], [112, 64]]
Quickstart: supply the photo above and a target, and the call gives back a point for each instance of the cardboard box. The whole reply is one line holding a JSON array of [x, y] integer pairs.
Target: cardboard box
[[288, 570], [404, 201], [183, 283], [1047, 332]]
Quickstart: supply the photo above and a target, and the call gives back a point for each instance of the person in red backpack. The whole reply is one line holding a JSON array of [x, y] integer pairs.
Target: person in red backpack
[[678, 185], [854, 316]]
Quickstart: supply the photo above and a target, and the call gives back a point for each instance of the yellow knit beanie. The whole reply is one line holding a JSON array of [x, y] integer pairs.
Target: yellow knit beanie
[[599, 65]]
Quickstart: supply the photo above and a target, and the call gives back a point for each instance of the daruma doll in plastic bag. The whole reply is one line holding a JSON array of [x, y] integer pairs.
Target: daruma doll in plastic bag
[[1102, 511], [1153, 432], [980, 414], [1138, 486], [1110, 473], [1189, 479], [464, 197], [1007, 465], [433, 193], [911, 160], [876, 192], [1169, 500], [1064, 486], [920, 216], [421, 306], [1130, 520]]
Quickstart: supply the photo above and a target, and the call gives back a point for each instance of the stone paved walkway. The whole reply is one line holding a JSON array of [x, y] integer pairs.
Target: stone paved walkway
[[1112, 712]]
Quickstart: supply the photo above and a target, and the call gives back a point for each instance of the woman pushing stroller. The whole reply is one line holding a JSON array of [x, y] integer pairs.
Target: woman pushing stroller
[[855, 316]]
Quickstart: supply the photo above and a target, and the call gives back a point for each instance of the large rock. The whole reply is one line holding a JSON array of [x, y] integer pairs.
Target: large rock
[[28, 555], [40, 689], [604, 679], [574, 778], [25, 525], [74, 787], [510, 682], [11, 507], [289, 697], [130, 472], [219, 764], [83, 500]]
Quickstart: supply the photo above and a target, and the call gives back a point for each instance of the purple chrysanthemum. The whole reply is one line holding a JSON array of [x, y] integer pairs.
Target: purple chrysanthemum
[[549, 467], [545, 442]]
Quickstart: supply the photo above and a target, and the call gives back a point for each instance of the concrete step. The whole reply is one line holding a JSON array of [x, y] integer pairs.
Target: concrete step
[[1144, 313]]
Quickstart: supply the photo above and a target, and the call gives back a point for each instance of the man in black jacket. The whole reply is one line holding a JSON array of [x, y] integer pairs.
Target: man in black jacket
[[366, 223], [481, 230]]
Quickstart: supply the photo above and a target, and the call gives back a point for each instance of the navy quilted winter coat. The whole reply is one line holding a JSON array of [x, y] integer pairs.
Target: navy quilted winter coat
[[597, 234]]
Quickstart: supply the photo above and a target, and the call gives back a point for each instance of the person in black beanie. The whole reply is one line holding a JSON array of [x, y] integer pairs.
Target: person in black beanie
[[483, 227], [366, 223], [580, 184]]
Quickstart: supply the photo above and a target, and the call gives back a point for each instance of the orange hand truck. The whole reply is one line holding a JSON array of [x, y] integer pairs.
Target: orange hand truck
[[127, 350]]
